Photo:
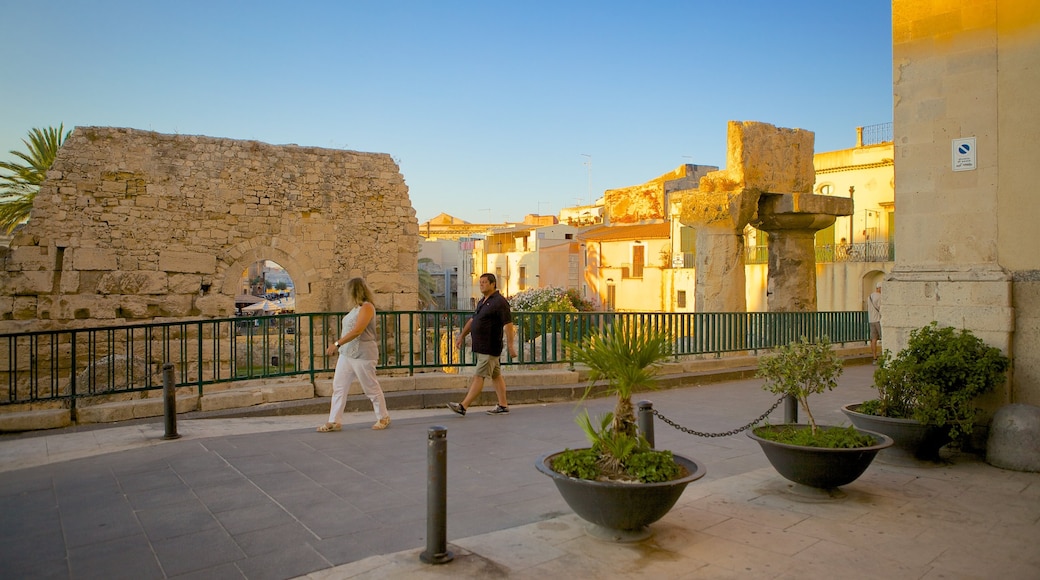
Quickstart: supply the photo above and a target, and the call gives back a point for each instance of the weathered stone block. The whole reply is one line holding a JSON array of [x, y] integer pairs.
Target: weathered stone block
[[231, 399], [28, 283], [24, 307], [184, 283], [275, 392], [137, 307], [93, 259], [29, 258], [176, 306], [191, 262], [216, 305], [764, 158], [139, 282], [1014, 438], [34, 420]]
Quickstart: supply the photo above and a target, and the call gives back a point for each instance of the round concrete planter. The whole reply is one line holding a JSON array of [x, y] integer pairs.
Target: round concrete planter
[[817, 466], [913, 439], [620, 511]]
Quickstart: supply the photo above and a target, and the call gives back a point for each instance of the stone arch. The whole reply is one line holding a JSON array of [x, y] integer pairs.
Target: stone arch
[[288, 255], [133, 226]]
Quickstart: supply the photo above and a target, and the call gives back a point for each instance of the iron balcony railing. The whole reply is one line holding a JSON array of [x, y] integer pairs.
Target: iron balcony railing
[[877, 134], [62, 367], [862, 252]]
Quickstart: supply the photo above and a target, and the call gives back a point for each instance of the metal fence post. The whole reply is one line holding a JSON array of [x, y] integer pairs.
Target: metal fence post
[[170, 402], [790, 409], [436, 497], [645, 421]]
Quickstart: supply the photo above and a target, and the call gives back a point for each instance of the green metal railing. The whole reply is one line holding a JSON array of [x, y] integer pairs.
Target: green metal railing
[[64, 366]]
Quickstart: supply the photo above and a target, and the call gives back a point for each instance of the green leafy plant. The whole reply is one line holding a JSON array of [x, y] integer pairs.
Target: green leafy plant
[[21, 183], [801, 369], [615, 456], [936, 379], [626, 357], [427, 286], [829, 438]]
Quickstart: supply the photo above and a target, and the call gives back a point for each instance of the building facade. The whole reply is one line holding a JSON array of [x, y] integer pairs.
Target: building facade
[[966, 78]]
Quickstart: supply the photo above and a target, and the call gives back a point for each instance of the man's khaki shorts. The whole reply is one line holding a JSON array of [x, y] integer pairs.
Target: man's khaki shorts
[[489, 367]]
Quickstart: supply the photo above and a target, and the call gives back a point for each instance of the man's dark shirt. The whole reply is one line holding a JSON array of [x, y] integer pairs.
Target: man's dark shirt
[[489, 319]]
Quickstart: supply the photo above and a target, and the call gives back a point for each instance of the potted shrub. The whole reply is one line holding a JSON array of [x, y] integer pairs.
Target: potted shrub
[[810, 454], [927, 391], [619, 484]]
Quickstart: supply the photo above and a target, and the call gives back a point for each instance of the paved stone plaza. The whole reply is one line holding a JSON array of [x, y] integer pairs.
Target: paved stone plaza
[[270, 498]]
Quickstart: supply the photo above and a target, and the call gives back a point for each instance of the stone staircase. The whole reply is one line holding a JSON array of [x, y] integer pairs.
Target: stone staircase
[[298, 395]]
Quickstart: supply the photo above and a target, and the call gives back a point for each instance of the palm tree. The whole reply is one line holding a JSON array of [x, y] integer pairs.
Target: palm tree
[[19, 188], [426, 285], [627, 357]]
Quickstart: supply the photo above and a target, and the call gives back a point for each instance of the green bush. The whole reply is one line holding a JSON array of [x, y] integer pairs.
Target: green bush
[[936, 379], [800, 369], [828, 438]]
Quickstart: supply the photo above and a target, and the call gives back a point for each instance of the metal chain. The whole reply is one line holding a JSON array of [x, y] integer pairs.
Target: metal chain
[[726, 433]]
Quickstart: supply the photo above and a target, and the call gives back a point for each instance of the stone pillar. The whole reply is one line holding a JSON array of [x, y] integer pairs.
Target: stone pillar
[[720, 218], [792, 221], [759, 158]]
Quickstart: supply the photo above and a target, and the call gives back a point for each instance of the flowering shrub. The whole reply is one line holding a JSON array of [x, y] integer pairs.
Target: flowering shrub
[[548, 299]]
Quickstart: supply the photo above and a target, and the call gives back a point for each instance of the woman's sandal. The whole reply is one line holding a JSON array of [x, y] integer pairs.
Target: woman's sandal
[[382, 423], [328, 427]]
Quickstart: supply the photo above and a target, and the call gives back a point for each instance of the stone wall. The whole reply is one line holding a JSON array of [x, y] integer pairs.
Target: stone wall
[[967, 239], [135, 226]]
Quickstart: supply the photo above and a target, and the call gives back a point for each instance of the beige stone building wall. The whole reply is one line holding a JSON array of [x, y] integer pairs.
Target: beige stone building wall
[[967, 240], [135, 226]]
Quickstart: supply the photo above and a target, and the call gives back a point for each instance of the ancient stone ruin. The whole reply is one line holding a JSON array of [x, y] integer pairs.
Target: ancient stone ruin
[[768, 183], [134, 226]]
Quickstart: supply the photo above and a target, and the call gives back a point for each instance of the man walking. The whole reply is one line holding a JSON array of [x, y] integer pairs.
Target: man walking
[[874, 318], [486, 325]]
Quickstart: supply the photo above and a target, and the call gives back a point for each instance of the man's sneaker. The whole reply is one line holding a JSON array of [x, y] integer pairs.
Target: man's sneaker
[[498, 410], [458, 408]]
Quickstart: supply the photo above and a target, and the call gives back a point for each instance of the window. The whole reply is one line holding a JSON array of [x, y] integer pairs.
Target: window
[[523, 278], [638, 260]]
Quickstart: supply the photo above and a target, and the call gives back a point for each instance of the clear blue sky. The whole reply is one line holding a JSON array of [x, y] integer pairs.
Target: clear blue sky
[[488, 106]]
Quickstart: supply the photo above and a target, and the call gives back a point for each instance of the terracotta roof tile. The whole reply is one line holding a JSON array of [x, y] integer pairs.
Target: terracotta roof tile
[[636, 232]]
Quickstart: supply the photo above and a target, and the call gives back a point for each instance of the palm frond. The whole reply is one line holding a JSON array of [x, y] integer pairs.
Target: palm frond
[[18, 188]]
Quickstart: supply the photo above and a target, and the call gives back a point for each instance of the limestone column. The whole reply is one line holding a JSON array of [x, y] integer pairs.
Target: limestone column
[[759, 158], [792, 221], [720, 218]]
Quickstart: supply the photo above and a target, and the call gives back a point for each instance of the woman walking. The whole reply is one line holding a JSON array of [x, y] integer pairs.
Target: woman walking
[[358, 353]]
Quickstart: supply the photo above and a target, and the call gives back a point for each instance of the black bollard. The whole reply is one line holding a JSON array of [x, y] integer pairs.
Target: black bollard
[[437, 497], [645, 421], [170, 400], [790, 409]]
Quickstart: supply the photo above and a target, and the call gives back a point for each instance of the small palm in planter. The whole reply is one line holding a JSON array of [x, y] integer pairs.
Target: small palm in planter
[[620, 484], [814, 455], [927, 392]]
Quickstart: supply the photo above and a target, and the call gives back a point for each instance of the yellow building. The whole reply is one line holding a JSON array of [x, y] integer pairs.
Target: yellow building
[[966, 80], [625, 266]]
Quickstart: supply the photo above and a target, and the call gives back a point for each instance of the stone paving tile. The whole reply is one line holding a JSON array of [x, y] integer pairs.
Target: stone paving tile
[[746, 510], [787, 541], [287, 561], [197, 551], [127, 557], [280, 504]]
